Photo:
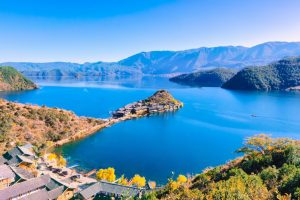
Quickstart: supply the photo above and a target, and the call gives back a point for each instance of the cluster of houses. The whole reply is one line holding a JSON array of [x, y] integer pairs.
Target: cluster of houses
[[25, 176], [143, 107]]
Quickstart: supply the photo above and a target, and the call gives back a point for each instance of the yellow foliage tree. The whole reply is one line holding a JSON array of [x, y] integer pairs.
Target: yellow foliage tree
[[107, 174], [52, 156], [138, 181], [174, 185], [61, 161], [123, 181], [181, 179]]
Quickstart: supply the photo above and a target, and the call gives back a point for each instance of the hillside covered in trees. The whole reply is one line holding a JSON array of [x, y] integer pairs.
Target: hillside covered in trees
[[21, 123], [11, 79], [280, 75], [206, 78], [269, 169]]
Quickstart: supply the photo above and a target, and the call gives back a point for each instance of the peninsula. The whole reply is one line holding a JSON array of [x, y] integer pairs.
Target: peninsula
[[160, 101], [40, 125]]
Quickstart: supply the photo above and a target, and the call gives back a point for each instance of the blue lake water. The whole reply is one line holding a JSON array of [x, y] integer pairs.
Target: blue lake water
[[206, 132]]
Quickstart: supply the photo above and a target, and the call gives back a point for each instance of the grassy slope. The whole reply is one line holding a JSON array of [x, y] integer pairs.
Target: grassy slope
[[21, 123], [11, 79]]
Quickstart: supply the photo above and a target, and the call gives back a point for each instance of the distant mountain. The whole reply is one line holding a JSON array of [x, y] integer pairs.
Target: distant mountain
[[206, 78], [280, 75], [11, 79], [168, 62]]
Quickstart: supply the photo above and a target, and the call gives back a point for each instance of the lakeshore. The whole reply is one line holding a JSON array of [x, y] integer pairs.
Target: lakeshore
[[23, 168], [160, 102], [212, 120]]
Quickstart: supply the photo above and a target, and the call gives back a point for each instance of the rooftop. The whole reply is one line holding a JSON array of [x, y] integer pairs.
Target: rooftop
[[6, 172], [110, 188], [24, 187]]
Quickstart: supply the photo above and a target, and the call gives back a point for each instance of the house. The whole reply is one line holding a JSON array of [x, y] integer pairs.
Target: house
[[23, 189], [43, 187], [21, 174], [59, 189], [20, 154], [103, 188], [7, 176]]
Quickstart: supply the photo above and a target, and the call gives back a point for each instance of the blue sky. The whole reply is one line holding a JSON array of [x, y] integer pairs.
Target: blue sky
[[94, 30]]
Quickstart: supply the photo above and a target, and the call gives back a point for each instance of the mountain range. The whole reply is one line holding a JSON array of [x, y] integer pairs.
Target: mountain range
[[167, 62]]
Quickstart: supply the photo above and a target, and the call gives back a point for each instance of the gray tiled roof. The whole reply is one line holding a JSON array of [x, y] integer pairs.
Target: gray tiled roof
[[13, 153], [24, 187], [38, 195], [25, 159], [19, 154], [6, 172], [90, 191], [22, 173], [27, 151], [110, 188], [2, 160], [53, 194]]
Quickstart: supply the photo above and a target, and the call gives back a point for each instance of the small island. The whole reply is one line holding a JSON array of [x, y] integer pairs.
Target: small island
[[12, 80]]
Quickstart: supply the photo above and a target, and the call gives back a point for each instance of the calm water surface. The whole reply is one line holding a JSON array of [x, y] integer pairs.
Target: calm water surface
[[206, 132]]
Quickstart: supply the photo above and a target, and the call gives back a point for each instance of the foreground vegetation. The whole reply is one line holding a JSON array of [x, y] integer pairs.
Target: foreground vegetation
[[269, 169], [11, 79]]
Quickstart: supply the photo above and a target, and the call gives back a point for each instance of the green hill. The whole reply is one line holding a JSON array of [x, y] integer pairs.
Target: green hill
[[269, 169], [280, 75], [11, 79], [207, 78]]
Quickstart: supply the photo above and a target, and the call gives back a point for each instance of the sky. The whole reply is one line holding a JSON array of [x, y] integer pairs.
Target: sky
[[110, 30]]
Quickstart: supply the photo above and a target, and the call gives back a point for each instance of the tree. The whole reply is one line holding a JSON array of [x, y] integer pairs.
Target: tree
[[61, 161], [107, 174], [181, 179], [52, 156], [123, 181], [138, 181], [256, 144]]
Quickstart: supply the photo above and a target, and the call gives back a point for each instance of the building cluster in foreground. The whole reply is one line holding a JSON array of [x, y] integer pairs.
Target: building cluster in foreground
[[25, 176]]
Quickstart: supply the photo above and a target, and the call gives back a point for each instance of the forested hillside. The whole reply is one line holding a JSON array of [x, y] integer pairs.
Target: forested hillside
[[206, 78], [280, 75]]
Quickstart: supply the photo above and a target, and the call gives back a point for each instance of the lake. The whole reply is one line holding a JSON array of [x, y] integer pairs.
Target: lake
[[206, 132]]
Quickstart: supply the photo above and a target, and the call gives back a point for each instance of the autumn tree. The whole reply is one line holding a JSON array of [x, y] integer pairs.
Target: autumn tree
[[138, 181], [107, 174], [181, 179], [123, 181]]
